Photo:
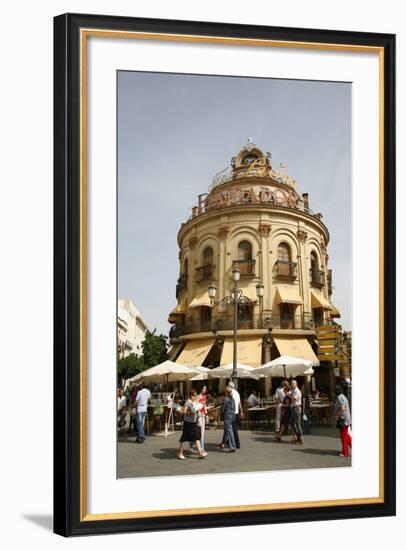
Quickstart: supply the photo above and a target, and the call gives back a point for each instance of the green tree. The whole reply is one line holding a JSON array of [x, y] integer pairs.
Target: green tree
[[154, 348], [130, 366]]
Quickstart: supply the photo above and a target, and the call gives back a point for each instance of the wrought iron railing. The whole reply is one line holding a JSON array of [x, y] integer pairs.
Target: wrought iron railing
[[182, 284], [255, 321], [246, 267], [317, 278], [205, 273], [285, 269]]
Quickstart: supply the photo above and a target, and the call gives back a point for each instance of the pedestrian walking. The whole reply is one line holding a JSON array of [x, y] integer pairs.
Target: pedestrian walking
[[239, 414], [133, 409], [201, 418], [296, 413], [121, 408], [286, 412], [343, 420], [191, 432], [141, 401], [279, 397], [228, 412]]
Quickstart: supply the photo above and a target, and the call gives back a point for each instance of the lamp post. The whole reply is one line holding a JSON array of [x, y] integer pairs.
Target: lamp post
[[236, 298]]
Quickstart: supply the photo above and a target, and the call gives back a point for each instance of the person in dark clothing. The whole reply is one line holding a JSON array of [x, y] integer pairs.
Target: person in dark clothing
[[228, 412], [285, 413]]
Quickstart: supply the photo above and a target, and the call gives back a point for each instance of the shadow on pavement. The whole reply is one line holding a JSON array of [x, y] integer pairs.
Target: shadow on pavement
[[322, 452]]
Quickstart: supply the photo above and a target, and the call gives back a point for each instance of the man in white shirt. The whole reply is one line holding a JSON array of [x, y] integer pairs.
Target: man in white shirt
[[252, 399], [279, 396], [121, 408], [296, 408], [238, 414], [141, 401]]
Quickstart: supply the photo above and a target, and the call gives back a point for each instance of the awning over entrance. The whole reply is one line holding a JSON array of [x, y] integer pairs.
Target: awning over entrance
[[180, 309], [318, 300], [335, 312], [296, 347], [288, 294], [201, 299], [195, 352], [174, 351], [249, 351]]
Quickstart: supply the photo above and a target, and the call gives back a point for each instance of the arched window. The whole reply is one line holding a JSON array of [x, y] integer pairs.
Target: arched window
[[314, 262], [208, 255], [205, 272], [284, 252], [245, 262], [244, 251], [316, 276]]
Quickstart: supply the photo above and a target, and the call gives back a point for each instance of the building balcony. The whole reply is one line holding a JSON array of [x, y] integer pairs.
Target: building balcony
[[289, 321], [128, 344], [255, 321], [286, 270], [317, 278], [181, 284], [205, 273], [246, 267]]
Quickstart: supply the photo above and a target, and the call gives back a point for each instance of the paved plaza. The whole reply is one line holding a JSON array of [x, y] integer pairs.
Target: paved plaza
[[259, 452]]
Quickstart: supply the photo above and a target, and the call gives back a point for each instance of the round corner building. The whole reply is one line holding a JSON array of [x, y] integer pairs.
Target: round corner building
[[252, 218]]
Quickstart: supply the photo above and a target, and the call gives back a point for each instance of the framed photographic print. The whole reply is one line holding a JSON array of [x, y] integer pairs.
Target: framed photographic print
[[224, 274]]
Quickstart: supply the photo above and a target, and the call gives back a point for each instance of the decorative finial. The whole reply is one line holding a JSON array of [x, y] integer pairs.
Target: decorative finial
[[250, 145]]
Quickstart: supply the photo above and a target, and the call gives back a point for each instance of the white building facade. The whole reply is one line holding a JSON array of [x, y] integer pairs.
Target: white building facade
[[131, 329]]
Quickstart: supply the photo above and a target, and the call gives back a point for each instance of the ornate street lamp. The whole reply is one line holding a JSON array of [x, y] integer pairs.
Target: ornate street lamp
[[236, 298]]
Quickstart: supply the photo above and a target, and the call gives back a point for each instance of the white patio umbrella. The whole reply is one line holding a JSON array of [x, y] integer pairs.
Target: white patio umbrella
[[225, 371], [166, 372], [285, 366], [203, 373]]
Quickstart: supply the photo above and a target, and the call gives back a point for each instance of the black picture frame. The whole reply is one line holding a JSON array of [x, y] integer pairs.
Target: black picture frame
[[67, 266]]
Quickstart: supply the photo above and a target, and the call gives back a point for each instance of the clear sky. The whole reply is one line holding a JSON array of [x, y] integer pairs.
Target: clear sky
[[176, 131]]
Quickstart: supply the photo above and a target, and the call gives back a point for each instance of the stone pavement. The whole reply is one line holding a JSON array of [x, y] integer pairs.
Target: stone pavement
[[259, 452]]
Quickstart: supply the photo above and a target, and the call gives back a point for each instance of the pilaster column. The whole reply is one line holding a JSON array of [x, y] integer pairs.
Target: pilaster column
[[222, 233], [264, 229], [268, 379], [303, 271]]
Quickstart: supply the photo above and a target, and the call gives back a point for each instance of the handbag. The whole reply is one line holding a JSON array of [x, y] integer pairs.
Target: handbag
[[340, 423]]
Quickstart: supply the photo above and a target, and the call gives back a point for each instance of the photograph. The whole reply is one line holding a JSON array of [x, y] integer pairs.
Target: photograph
[[234, 274]]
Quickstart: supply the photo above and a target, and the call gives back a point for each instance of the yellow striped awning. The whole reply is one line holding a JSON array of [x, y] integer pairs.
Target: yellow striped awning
[[180, 309], [249, 351], [175, 350], [295, 347], [318, 300], [288, 294], [201, 299], [195, 352], [334, 312]]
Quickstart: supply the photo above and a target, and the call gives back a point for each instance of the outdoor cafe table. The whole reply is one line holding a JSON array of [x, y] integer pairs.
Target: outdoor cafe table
[[258, 414], [322, 410]]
